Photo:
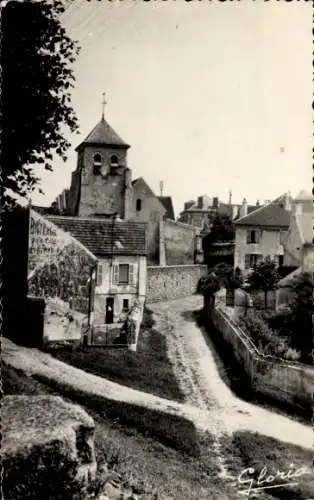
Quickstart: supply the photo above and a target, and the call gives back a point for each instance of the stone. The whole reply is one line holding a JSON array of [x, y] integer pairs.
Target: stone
[[47, 446]]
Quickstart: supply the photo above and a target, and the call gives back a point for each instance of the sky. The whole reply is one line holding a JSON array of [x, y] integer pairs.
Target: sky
[[211, 96]]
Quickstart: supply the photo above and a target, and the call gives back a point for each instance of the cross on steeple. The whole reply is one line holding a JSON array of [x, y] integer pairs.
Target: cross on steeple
[[103, 102]]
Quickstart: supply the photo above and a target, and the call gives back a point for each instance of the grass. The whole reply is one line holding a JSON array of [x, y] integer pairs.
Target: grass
[[163, 458], [256, 451], [157, 455], [148, 370]]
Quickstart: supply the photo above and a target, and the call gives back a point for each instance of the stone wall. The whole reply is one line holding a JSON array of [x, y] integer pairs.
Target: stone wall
[[288, 382], [179, 241], [172, 282]]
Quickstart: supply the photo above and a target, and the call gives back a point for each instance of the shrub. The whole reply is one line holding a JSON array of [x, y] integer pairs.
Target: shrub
[[264, 338]]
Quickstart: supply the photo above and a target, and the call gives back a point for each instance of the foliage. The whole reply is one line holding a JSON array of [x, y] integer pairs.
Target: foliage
[[264, 277], [36, 102], [296, 322], [208, 285], [260, 333], [223, 229]]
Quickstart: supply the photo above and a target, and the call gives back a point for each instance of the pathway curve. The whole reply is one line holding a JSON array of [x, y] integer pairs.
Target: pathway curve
[[210, 404], [197, 374]]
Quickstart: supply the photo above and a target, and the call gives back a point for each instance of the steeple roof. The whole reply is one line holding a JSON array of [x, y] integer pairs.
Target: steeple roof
[[103, 135]]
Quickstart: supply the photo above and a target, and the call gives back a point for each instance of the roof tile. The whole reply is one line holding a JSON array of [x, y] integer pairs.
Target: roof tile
[[102, 237], [103, 134], [270, 215]]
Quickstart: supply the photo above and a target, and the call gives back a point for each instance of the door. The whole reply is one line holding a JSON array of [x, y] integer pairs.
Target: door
[[109, 310]]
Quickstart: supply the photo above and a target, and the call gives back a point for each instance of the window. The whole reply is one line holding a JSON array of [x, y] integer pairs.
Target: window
[[252, 236], [97, 163], [123, 274], [125, 304], [138, 205], [280, 260], [252, 259]]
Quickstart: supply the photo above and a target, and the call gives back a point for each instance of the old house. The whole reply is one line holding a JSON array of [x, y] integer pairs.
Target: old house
[[200, 213], [297, 244], [121, 251], [102, 186], [259, 234]]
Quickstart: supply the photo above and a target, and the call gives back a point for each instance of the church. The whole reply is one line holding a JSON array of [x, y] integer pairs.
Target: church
[[102, 187]]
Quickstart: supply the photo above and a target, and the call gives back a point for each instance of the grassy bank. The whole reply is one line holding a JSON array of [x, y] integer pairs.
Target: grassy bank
[[148, 370], [250, 450], [166, 458], [157, 456], [235, 377]]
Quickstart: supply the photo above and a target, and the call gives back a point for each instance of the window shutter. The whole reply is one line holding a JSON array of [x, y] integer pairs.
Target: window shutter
[[99, 274], [131, 274], [257, 236], [115, 277], [247, 261], [248, 236]]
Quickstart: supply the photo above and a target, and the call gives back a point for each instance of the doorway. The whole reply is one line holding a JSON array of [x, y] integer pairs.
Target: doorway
[[109, 310]]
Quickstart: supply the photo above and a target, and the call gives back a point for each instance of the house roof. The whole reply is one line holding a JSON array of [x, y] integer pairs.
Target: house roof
[[102, 237], [103, 134], [271, 215], [167, 203]]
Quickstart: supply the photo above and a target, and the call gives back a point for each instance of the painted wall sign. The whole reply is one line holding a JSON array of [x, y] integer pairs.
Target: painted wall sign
[[60, 270]]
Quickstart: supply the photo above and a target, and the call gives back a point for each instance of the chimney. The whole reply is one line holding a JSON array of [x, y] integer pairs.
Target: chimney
[[258, 203], [200, 202], [287, 201], [215, 202], [59, 203], [230, 197], [188, 204], [298, 209], [243, 209], [235, 211]]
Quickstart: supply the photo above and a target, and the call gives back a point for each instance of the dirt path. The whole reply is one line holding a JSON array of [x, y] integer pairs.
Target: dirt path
[[197, 374]]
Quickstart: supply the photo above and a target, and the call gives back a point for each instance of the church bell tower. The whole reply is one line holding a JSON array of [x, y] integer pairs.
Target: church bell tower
[[102, 174]]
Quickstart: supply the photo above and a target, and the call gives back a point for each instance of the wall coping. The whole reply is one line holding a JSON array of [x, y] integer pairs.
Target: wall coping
[[182, 224], [249, 344]]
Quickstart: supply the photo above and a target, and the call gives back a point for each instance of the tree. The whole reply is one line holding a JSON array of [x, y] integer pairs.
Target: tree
[[208, 286], [264, 277], [36, 77], [299, 318], [222, 230]]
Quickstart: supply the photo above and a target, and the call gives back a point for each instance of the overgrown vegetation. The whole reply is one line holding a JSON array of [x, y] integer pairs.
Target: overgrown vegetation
[[148, 370], [264, 277], [251, 450], [267, 341], [287, 333]]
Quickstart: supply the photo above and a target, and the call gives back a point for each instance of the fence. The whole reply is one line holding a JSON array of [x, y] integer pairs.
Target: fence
[[288, 382], [107, 335]]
